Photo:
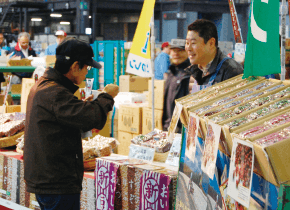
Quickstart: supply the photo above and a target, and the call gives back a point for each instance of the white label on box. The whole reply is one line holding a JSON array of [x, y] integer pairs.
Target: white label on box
[[174, 153], [174, 121], [209, 154], [241, 171], [142, 153]]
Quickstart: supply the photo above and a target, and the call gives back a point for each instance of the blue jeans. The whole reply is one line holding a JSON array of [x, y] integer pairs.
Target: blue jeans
[[59, 202]]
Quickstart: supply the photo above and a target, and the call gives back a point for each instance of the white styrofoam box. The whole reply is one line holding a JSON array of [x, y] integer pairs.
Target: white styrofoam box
[[240, 49], [226, 47], [129, 98]]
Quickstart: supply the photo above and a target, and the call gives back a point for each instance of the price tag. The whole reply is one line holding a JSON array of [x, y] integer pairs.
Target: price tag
[[142, 153]]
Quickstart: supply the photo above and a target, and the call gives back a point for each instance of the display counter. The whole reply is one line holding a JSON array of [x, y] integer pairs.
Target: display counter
[[17, 69], [13, 192]]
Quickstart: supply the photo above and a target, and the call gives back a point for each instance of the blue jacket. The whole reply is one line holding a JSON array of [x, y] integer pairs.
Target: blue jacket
[[51, 49], [161, 65]]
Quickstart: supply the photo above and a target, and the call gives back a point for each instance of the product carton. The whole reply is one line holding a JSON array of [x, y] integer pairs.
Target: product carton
[[27, 84], [130, 118], [50, 60], [216, 88], [147, 120], [159, 86], [125, 140], [272, 162], [129, 83]]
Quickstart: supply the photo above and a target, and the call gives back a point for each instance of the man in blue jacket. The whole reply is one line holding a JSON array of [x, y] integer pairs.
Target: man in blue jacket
[[162, 61], [60, 36]]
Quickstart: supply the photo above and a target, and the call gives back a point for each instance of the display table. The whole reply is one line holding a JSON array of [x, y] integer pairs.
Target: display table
[[17, 69], [13, 193]]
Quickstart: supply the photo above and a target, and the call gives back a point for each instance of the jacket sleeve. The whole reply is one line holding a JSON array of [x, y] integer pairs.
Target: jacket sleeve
[[70, 111], [233, 69]]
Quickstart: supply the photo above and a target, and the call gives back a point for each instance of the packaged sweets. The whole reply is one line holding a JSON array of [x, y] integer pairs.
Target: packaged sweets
[[98, 146], [276, 121], [158, 141], [274, 137]]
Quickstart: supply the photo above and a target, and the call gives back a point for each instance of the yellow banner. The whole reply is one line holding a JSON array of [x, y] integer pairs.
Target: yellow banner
[[139, 58]]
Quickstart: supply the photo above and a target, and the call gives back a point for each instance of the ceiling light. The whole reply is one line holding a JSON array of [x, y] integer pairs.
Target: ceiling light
[[64, 23], [36, 19], [55, 15]]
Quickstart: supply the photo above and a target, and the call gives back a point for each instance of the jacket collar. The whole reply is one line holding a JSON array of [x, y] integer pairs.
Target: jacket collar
[[53, 74], [174, 68], [194, 70], [18, 48]]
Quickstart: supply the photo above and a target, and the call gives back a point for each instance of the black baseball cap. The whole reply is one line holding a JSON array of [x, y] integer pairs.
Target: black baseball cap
[[76, 50]]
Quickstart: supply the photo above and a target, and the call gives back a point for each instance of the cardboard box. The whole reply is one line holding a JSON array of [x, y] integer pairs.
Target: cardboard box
[[50, 60], [17, 62], [130, 118], [27, 84], [147, 120], [16, 88], [273, 160], [125, 141], [129, 83], [13, 108], [159, 87]]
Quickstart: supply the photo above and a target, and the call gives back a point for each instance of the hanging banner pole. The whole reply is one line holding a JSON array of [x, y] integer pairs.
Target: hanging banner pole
[[283, 11], [235, 23], [152, 66]]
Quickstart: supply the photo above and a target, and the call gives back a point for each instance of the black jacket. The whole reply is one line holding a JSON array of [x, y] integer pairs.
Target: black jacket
[[53, 159], [176, 86], [229, 69]]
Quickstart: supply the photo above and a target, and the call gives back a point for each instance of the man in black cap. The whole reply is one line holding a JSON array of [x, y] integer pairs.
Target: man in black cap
[[177, 80], [55, 118]]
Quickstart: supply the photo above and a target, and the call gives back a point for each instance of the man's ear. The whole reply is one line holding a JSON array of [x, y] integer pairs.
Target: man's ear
[[212, 42], [75, 66]]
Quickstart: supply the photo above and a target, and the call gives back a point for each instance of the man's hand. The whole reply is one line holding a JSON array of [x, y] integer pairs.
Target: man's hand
[[90, 98], [111, 89]]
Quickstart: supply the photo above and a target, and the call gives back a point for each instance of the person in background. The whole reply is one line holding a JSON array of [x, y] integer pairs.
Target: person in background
[[177, 81], [2, 46], [22, 50], [162, 61], [55, 118], [60, 36], [209, 64]]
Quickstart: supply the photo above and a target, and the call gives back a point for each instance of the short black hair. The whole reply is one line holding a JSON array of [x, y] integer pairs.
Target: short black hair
[[206, 30], [63, 65]]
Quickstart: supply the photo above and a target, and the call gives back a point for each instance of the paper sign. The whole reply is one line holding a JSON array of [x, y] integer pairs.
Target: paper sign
[[175, 117], [192, 136], [154, 191], [241, 172], [106, 180], [6, 92], [210, 149], [174, 153], [139, 58], [142, 153]]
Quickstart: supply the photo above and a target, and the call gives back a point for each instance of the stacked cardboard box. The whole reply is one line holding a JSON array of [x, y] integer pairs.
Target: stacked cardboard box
[[129, 83], [129, 125]]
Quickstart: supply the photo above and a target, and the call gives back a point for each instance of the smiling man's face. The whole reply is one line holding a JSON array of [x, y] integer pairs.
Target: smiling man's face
[[196, 49]]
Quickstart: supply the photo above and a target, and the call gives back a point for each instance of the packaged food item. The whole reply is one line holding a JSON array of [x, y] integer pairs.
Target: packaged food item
[[276, 121], [156, 139], [98, 146]]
